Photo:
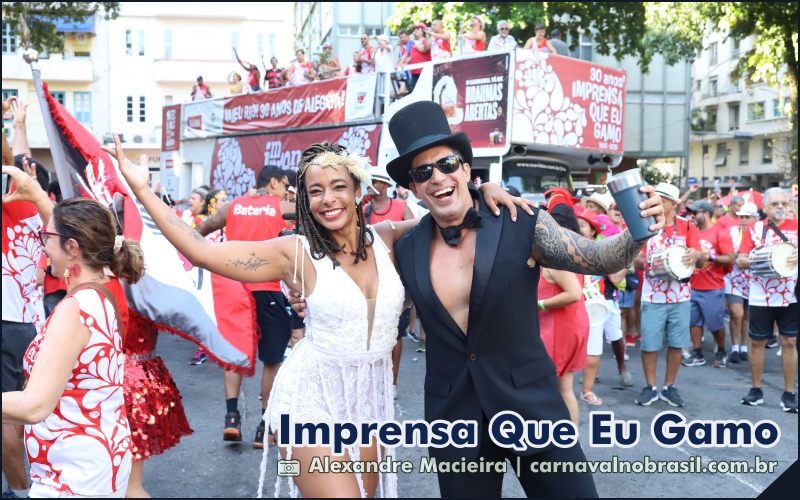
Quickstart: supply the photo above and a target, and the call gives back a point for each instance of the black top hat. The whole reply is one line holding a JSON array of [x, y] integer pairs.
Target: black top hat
[[417, 127]]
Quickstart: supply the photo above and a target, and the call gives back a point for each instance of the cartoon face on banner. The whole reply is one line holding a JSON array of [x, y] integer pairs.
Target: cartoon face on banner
[[237, 160]]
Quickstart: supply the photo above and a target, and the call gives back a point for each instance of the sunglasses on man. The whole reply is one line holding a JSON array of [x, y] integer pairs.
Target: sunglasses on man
[[446, 165]]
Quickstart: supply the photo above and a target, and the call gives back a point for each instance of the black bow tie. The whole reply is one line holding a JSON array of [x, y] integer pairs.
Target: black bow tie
[[452, 234]]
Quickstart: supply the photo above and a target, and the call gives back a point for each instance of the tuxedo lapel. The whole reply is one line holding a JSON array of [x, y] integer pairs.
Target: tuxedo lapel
[[422, 259], [488, 239]]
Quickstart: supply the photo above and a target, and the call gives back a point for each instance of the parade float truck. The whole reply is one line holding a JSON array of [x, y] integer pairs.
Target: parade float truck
[[534, 120]]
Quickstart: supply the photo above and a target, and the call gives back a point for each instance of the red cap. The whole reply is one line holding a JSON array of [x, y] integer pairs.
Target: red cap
[[589, 216], [558, 196]]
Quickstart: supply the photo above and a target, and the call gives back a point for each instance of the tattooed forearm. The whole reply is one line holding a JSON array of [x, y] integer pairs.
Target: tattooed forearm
[[559, 248], [251, 264]]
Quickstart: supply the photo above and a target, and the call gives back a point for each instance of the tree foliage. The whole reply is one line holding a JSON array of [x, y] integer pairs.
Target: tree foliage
[[675, 30], [652, 175], [618, 28], [34, 22]]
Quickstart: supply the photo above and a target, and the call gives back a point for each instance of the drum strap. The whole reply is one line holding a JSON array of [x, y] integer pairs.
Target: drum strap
[[767, 227]]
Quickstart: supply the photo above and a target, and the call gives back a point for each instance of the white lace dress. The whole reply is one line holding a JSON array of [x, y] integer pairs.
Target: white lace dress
[[340, 371]]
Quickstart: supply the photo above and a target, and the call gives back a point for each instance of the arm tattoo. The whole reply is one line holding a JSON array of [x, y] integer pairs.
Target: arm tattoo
[[556, 247], [251, 264]]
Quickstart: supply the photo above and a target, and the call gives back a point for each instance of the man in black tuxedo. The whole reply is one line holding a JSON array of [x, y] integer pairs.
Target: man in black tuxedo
[[473, 278]]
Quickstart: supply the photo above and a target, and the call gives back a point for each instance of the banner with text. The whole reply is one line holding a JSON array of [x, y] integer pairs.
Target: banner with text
[[236, 161], [327, 102], [474, 95], [561, 101], [170, 128]]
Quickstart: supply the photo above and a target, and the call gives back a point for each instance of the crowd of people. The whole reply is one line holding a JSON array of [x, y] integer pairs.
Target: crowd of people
[[353, 256], [687, 280], [376, 54]]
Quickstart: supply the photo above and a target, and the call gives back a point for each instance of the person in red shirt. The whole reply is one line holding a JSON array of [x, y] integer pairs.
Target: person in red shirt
[[201, 90], [773, 299], [272, 76], [253, 74], [708, 285], [257, 217], [420, 52], [666, 303], [730, 219]]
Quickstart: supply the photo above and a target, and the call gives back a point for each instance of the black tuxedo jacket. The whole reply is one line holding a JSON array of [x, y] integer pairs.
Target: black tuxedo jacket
[[501, 364]]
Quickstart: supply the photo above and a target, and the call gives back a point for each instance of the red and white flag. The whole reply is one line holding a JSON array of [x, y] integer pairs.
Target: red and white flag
[[214, 312]]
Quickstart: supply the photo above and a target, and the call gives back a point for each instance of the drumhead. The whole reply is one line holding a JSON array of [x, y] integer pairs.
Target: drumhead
[[674, 255], [780, 258]]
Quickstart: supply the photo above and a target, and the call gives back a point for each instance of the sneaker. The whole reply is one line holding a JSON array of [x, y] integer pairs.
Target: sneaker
[[671, 396], [625, 355], [626, 378], [772, 342], [743, 356], [630, 341], [686, 354], [233, 427], [421, 346], [719, 360], [778, 352], [9, 494], [414, 336], [789, 402], [647, 396], [696, 359], [734, 357], [754, 398], [199, 357], [258, 441], [394, 391]]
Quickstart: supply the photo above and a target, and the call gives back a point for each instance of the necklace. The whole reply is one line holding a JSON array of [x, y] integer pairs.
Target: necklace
[[375, 210]]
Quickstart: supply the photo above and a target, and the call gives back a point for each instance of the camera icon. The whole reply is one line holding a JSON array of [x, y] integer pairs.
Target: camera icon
[[288, 468]]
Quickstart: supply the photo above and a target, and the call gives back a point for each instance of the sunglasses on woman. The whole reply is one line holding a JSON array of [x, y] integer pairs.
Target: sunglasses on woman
[[446, 165]]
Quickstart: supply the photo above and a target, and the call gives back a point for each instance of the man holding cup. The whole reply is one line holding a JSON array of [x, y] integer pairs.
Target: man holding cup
[[666, 301]]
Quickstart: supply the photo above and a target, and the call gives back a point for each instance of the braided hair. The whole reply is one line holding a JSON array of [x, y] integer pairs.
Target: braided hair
[[320, 241]]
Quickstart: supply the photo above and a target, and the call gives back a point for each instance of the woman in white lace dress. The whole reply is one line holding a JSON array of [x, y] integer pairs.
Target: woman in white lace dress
[[342, 370]]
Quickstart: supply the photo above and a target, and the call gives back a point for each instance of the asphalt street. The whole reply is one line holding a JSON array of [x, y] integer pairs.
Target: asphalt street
[[202, 465]]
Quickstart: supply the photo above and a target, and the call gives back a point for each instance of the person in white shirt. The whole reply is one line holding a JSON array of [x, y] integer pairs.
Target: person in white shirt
[[503, 39]]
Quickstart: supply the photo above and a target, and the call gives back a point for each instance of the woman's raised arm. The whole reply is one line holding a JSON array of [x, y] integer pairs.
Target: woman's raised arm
[[248, 261]]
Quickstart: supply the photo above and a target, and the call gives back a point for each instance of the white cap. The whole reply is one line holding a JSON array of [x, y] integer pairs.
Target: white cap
[[669, 191], [605, 200], [749, 209], [380, 174]]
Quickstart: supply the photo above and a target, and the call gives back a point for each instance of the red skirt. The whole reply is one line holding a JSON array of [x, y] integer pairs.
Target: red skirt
[[153, 402]]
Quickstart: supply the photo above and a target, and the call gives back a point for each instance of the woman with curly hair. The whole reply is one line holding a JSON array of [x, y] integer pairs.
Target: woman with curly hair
[[342, 370]]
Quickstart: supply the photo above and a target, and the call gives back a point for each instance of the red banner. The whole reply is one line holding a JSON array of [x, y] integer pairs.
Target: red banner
[[314, 104], [474, 95], [171, 131], [236, 161], [561, 101]]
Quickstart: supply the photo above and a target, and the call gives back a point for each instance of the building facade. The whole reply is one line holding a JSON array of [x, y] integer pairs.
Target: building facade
[[340, 24], [115, 76], [740, 135]]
